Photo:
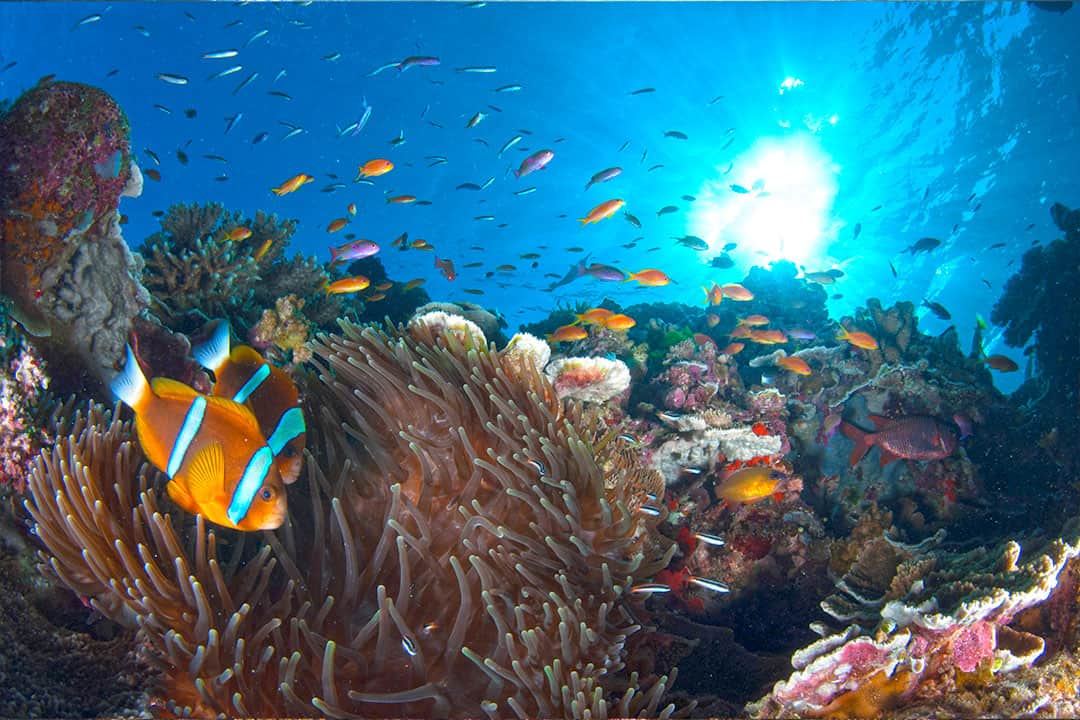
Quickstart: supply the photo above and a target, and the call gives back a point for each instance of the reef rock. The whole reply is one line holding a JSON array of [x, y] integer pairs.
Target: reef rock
[[65, 162]]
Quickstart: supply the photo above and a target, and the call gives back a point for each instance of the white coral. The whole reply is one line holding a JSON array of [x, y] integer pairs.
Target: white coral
[[591, 379]]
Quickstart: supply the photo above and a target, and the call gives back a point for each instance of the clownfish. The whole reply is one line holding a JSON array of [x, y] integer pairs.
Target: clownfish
[[218, 462], [243, 376]]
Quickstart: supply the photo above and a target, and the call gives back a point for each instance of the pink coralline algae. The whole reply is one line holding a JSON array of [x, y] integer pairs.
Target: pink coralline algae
[[693, 377], [20, 386], [65, 162]]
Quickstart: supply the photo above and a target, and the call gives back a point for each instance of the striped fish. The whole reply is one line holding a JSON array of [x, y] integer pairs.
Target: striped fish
[[243, 375], [218, 461]]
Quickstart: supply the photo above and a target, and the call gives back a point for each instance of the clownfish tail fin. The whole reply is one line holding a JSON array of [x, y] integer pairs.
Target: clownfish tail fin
[[213, 353], [130, 386]]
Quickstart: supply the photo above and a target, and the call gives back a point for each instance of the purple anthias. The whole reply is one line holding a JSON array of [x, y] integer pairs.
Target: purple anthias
[[353, 251], [605, 272]]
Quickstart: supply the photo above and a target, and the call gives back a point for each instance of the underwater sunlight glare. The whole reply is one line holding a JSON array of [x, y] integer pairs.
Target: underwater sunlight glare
[[779, 204]]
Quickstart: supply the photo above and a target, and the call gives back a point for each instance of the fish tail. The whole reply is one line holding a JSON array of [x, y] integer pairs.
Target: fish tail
[[517, 174], [843, 334], [213, 353], [130, 386], [862, 439], [333, 256], [584, 221], [277, 191]]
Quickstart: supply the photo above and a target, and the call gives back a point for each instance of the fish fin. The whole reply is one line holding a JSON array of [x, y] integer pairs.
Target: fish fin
[[861, 438], [887, 456], [584, 221], [172, 389], [206, 477], [182, 497], [130, 386], [277, 192], [879, 421], [289, 468], [246, 355], [213, 353]]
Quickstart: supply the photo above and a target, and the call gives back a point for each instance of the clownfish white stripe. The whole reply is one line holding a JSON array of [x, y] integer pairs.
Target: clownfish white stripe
[[253, 478], [290, 425], [252, 384], [192, 422]]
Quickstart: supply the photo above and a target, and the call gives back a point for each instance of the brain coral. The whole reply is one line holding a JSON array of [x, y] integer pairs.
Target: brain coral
[[460, 548]]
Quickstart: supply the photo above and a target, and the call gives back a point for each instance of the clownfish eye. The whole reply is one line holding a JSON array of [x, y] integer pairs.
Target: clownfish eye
[[266, 494]]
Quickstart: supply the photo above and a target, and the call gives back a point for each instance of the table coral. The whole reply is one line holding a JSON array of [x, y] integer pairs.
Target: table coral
[[65, 159], [459, 550], [917, 619]]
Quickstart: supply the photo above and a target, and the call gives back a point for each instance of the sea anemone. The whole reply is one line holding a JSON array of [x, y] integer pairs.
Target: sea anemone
[[462, 548]]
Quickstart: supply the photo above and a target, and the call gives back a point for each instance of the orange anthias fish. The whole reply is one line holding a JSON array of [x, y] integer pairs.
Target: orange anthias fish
[[242, 375], [858, 339], [593, 316], [795, 365], [619, 322], [604, 210], [822, 278], [754, 320], [732, 348], [749, 484], [1001, 363], [713, 295], [352, 208], [712, 319], [650, 277], [239, 233], [348, 285], [414, 283], [292, 184], [336, 225], [401, 199], [446, 266], [735, 291], [374, 168], [218, 462], [768, 337], [568, 333]]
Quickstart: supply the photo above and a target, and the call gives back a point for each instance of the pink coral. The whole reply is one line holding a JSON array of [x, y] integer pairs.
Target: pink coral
[[20, 441]]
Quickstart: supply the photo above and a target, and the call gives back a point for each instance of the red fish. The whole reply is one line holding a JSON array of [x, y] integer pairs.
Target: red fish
[[913, 437], [446, 265]]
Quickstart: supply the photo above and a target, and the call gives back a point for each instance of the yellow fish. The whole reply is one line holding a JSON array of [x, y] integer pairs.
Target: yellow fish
[[292, 184]]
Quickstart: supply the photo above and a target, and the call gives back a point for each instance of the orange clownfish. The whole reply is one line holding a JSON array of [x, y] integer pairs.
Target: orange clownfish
[[243, 375], [218, 462]]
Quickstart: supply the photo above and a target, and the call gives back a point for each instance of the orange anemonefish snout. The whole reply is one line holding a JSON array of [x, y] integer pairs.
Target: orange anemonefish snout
[[242, 375], [218, 463]]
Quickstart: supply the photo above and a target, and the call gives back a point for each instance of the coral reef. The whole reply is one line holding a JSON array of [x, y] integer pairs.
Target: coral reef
[[58, 660], [284, 327], [589, 379], [1034, 304], [66, 161], [22, 385], [464, 547], [920, 620]]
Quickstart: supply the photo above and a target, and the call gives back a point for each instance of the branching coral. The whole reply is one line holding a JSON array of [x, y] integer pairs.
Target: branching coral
[[195, 270], [460, 550]]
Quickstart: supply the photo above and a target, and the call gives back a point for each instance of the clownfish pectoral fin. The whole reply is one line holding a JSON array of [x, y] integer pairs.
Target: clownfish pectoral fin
[[130, 386], [181, 497], [213, 353], [206, 478]]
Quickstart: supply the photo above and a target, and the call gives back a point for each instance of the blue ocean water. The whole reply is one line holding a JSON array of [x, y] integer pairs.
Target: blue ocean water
[[904, 120]]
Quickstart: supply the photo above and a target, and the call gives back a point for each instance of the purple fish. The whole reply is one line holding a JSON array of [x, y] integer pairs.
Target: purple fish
[[800, 334], [353, 251], [604, 176], [534, 162], [913, 437], [605, 272], [964, 423]]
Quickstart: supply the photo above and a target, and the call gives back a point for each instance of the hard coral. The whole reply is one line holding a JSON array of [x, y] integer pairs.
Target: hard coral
[[460, 550], [65, 160], [284, 327], [922, 616]]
